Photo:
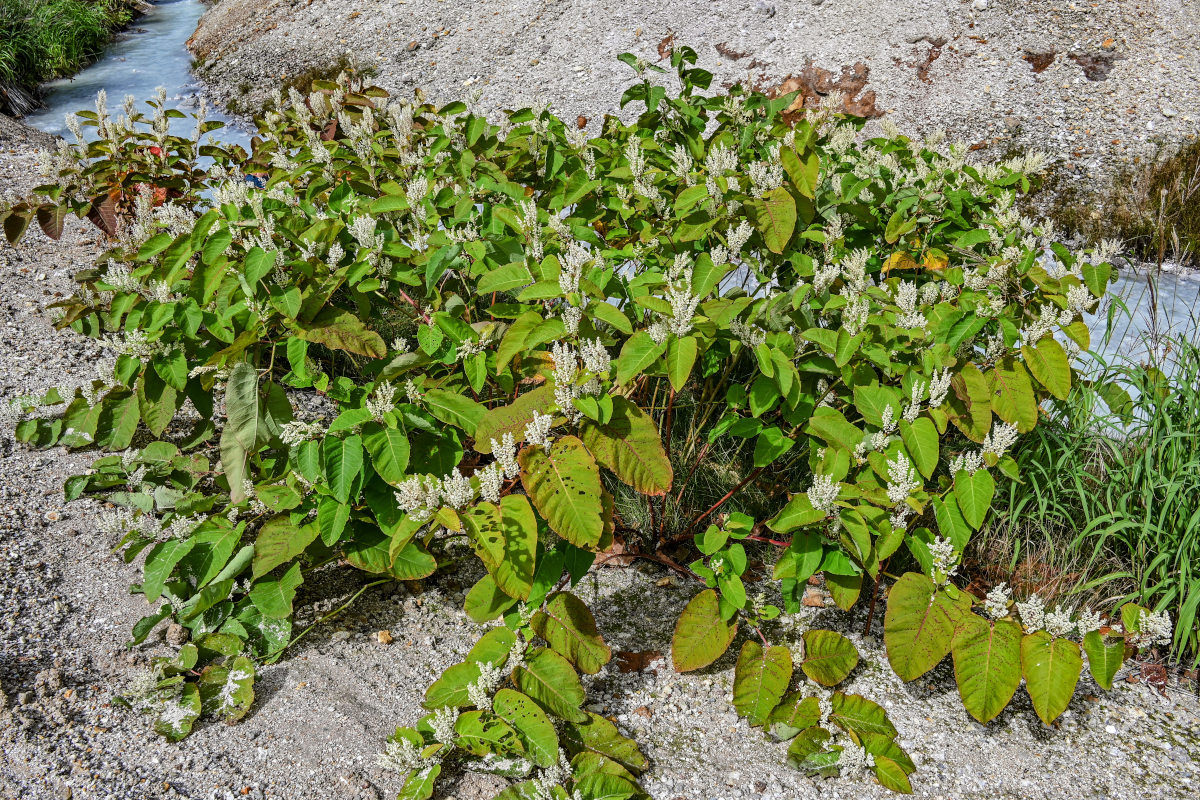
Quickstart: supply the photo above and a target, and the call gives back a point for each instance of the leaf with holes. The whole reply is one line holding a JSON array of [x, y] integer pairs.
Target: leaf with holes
[[533, 727], [564, 485], [551, 682]]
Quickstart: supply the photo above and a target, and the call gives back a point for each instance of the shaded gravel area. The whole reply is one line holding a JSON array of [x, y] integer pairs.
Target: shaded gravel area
[[1096, 85]]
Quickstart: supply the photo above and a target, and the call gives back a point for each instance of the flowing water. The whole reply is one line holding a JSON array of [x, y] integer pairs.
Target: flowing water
[[151, 53], [154, 53]]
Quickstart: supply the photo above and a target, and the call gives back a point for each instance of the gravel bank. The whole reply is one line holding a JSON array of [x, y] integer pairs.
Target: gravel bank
[[1097, 85], [322, 714]]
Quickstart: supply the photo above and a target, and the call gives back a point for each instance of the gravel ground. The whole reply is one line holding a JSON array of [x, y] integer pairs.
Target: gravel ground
[[1097, 85], [323, 712]]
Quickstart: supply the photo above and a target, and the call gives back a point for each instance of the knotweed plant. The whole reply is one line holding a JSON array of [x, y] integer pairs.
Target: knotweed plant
[[862, 327]]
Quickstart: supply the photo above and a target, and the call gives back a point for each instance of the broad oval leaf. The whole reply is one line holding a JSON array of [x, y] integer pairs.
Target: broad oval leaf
[[918, 627], [987, 664], [569, 627], [1103, 659], [701, 635], [564, 485], [759, 680], [550, 680], [533, 727], [829, 657], [629, 444], [1051, 668]]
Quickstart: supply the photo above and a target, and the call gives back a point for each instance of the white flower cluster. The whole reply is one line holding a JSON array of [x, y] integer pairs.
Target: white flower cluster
[[442, 722], [945, 560], [996, 602], [537, 432], [906, 299], [480, 691], [972, 462], [902, 478], [749, 335], [823, 494], [1059, 623], [381, 400], [1088, 621], [1001, 437], [1032, 613], [1153, 628], [571, 268], [400, 755], [939, 386]]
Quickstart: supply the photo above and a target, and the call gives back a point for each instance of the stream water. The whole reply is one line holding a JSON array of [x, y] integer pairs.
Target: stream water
[[151, 53], [154, 53]]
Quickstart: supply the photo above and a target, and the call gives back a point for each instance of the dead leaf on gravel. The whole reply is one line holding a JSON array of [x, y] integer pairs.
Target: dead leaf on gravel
[[615, 556], [636, 660]]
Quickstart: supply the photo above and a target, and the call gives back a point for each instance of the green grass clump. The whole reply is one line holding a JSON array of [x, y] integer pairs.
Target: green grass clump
[[44, 39], [1108, 506]]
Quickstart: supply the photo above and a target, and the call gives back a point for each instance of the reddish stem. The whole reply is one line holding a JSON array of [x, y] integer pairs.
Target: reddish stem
[[720, 502], [754, 538]]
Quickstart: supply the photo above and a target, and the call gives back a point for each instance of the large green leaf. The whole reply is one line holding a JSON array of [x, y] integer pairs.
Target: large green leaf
[[550, 680], [278, 542], [389, 451], [341, 330], [420, 784], [701, 635], [1103, 659], [274, 596], [918, 626], [970, 403], [921, 441], [759, 680], [597, 734], [454, 409], [858, 715], [637, 354], [974, 495], [533, 727], [829, 657], [629, 444], [1051, 668], [987, 664], [564, 485], [243, 410], [176, 716], [118, 420], [343, 463], [775, 218], [1049, 364], [227, 691], [485, 601], [512, 418], [796, 712], [681, 357], [569, 627], [1013, 398]]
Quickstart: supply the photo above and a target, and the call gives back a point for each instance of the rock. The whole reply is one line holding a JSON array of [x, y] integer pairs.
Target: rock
[[177, 635], [1167, 111], [765, 8], [383, 637], [980, 5]]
